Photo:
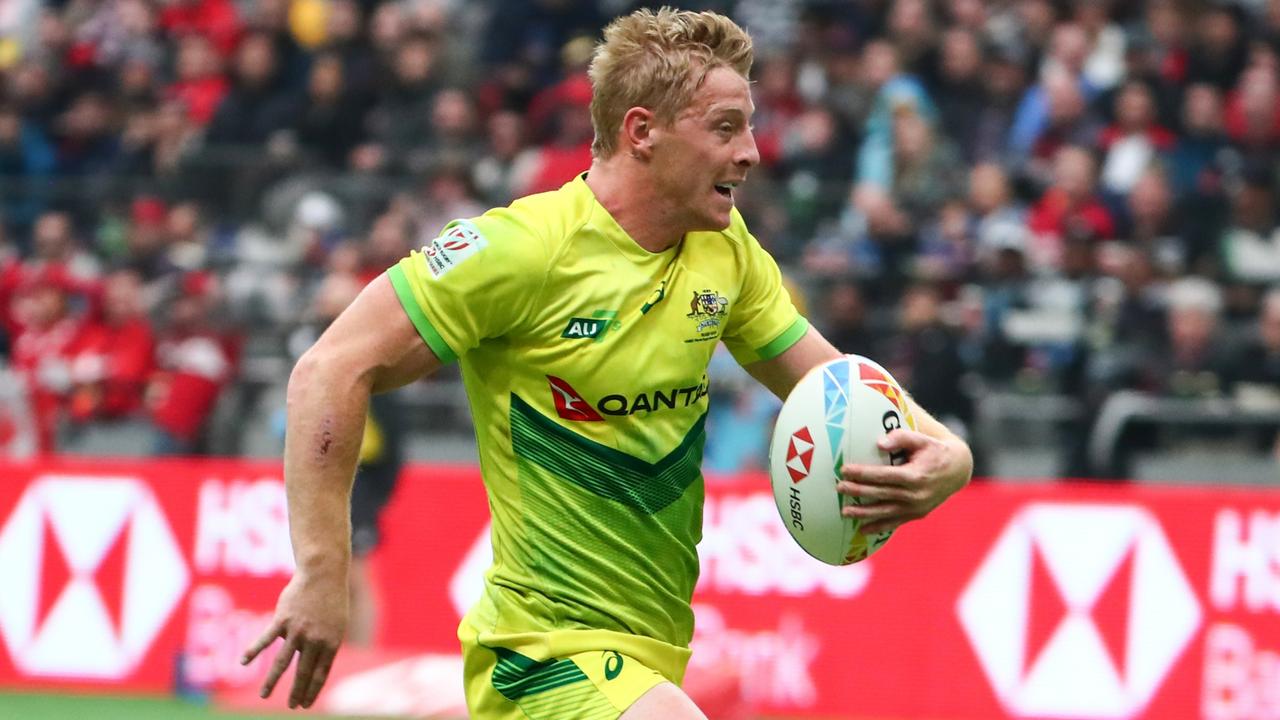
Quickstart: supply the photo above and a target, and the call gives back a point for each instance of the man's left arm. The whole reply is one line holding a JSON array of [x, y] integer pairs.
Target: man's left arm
[[938, 462]]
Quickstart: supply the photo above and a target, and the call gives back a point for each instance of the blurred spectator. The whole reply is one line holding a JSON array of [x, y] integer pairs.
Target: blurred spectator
[[146, 242], [86, 140], [389, 240], [255, 107], [1194, 361], [1256, 364], [892, 92], [910, 27], [1155, 228], [27, 160], [194, 362], [199, 84], [523, 42], [1197, 156], [927, 169], [1187, 360], [1252, 114], [960, 93], [54, 245], [506, 163], [45, 332], [1158, 51], [1054, 109], [847, 326], [738, 420], [1131, 310], [454, 133], [568, 152], [1134, 141], [138, 79], [447, 195], [111, 358], [187, 239], [926, 173], [1002, 81], [118, 30], [161, 144], [347, 41], [998, 219], [1250, 244], [1218, 54], [1068, 121], [925, 356], [1070, 209], [814, 171], [1005, 282], [400, 119], [777, 105], [272, 18], [946, 251], [17, 30], [327, 119], [36, 91], [216, 20], [1104, 66]]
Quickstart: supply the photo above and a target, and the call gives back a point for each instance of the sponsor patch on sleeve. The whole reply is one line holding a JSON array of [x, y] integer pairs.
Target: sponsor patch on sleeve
[[457, 243]]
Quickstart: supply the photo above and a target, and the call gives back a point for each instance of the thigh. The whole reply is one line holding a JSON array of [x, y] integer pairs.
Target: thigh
[[663, 702]]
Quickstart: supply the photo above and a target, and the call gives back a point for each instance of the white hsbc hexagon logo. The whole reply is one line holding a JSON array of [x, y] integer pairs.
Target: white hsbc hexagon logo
[[91, 574], [1079, 611]]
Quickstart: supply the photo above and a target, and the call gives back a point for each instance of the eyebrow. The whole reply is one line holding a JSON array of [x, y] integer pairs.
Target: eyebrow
[[721, 111]]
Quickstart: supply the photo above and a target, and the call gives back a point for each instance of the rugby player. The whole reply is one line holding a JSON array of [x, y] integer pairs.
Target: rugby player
[[583, 320]]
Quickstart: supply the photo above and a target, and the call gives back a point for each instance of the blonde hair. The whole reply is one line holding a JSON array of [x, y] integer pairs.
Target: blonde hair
[[658, 60]]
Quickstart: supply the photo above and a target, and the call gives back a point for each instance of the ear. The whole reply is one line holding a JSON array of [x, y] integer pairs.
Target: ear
[[637, 132]]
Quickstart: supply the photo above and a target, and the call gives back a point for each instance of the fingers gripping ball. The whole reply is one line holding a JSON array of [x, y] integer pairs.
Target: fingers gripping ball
[[833, 416]]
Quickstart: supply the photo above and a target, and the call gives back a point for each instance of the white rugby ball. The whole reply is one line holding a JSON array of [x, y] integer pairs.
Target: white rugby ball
[[833, 416]]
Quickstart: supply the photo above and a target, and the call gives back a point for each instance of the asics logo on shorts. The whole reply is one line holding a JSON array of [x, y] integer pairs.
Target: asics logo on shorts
[[612, 665]]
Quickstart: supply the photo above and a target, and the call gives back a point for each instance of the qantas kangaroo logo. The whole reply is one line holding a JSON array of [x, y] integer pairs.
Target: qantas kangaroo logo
[[569, 404]]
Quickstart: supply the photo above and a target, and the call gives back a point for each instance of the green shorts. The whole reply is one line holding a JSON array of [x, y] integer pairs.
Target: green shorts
[[503, 683]]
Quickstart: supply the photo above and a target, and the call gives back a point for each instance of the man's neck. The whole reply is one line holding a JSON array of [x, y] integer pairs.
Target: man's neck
[[620, 187]]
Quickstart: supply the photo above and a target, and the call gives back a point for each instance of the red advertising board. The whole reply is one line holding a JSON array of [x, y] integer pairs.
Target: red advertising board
[[1012, 600]]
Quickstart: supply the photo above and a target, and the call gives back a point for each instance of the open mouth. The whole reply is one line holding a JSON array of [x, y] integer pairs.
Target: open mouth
[[726, 189]]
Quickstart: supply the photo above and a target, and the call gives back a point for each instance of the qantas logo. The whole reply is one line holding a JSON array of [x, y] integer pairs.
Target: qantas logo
[[1079, 610], [569, 404], [572, 406], [91, 574], [799, 454]]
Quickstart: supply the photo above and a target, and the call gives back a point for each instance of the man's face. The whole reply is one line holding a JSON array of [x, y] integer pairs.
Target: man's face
[[52, 236], [706, 152]]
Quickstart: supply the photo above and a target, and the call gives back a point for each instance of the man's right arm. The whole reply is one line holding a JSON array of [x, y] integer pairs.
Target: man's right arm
[[371, 347]]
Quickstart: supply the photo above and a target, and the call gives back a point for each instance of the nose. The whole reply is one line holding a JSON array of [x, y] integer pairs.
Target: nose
[[748, 155]]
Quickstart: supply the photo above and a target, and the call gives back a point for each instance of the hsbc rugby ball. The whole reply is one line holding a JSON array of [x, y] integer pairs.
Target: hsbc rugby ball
[[833, 416]]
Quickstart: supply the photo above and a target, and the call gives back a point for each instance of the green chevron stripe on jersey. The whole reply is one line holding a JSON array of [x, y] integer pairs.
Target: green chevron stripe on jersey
[[647, 487]]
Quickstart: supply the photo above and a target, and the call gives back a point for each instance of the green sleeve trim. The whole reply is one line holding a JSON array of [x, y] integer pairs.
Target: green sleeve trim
[[419, 319], [789, 337]]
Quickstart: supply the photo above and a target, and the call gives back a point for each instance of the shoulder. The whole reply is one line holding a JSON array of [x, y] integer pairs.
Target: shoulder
[[551, 217]]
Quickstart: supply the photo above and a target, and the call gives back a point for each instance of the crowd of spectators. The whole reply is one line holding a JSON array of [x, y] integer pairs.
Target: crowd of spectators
[[1022, 196]]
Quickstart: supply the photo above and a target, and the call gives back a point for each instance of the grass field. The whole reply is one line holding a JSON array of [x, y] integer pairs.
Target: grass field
[[48, 706], [24, 706]]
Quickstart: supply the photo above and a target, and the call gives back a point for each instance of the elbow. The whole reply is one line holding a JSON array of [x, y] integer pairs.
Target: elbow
[[303, 378], [966, 458], [324, 369]]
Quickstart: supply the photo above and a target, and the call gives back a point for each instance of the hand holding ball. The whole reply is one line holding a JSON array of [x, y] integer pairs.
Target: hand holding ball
[[833, 416]]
